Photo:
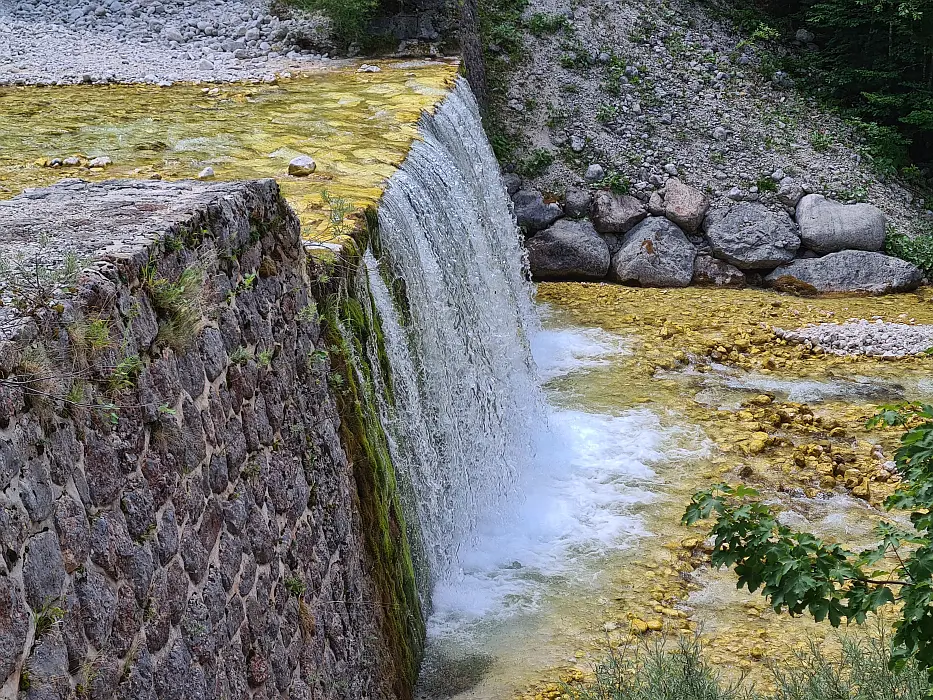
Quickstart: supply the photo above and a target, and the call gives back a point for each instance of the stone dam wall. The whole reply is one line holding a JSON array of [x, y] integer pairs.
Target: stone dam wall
[[179, 517]]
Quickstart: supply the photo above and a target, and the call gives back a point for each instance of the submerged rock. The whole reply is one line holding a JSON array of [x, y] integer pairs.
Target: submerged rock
[[847, 271], [615, 213], [752, 237], [656, 253], [829, 227], [301, 166], [568, 250]]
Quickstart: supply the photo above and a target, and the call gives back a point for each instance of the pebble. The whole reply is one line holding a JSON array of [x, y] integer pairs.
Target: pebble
[[206, 174], [100, 162]]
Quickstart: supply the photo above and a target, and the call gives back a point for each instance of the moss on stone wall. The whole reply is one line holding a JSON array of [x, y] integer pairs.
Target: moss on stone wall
[[351, 333]]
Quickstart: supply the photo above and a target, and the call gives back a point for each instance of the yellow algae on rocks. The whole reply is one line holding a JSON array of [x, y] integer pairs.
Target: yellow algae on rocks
[[710, 359], [358, 128]]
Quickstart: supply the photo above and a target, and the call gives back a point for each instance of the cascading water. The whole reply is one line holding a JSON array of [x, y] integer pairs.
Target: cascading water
[[466, 400], [508, 498]]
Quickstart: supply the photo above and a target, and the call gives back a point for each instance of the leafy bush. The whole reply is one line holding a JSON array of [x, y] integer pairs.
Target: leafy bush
[[537, 162], [917, 249], [542, 23], [349, 18], [800, 573]]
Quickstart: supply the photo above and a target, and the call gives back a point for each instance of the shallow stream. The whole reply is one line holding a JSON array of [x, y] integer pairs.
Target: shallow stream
[[641, 417]]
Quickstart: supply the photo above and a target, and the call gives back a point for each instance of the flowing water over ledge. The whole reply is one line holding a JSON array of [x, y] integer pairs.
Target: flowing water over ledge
[[641, 417], [357, 126]]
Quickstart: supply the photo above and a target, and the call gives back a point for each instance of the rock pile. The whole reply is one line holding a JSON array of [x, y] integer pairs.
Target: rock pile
[[863, 337], [154, 41], [676, 240]]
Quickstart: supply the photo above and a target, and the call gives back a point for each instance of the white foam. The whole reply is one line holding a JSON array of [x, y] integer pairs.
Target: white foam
[[560, 352], [577, 499]]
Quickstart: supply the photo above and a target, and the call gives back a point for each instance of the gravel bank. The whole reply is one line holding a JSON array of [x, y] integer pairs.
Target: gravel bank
[[154, 41], [875, 338]]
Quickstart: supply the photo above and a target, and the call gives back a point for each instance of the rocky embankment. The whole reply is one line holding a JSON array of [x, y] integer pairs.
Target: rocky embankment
[[809, 245], [153, 41]]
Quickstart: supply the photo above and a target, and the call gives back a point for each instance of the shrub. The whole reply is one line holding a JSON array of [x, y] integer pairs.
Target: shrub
[[656, 672], [546, 23], [916, 249], [349, 18]]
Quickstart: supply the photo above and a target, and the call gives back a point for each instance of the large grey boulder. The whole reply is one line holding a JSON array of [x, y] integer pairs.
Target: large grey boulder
[[846, 271], [532, 213], [616, 213], [568, 250], [828, 227], [656, 253], [752, 237], [684, 205], [708, 271]]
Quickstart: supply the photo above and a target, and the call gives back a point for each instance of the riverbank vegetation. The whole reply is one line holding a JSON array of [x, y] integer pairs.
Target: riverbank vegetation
[[802, 574], [677, 671]]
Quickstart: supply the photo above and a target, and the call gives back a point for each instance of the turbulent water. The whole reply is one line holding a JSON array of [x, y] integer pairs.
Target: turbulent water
[[515, 499], [466, 397]]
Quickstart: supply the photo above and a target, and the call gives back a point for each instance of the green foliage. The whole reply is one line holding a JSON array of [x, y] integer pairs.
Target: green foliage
[[542, 23], [31, 281], [537, 162], [916, 249], [615, 183], [349, 18], [264, 358], [125, 373], [875, 62], [799, 572], [766, 184], [820, 141], [47, 617], [179, 303], [338, 209], [295, 586], [656, 672], [240, 355]]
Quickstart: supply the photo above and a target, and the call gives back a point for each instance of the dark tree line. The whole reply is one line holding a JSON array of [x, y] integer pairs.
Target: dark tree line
[[875, 60]]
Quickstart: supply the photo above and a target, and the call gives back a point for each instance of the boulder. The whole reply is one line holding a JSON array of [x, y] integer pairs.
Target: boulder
[[577, 202], [568, 250], [684, 205], [656, 253], [752, 237], [532, 213], [829, 227], [615, 213], [708, 271], [846, 271]]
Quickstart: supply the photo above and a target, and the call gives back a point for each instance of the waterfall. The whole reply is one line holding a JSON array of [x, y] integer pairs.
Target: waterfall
[[448, 283]]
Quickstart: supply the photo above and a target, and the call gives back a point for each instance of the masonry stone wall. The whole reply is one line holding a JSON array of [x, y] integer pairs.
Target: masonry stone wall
[[178, 516]]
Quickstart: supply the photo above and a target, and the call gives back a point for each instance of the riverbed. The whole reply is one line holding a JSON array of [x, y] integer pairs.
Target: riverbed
[[654, 394]]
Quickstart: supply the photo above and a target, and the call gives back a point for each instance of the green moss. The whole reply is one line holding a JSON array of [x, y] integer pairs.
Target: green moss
[[351, 331]]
